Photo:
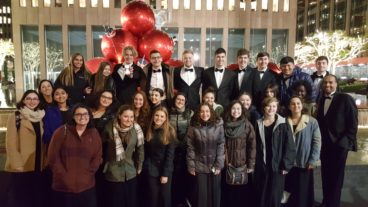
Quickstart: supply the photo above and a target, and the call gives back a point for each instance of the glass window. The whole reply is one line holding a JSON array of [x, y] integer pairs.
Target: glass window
[[279, 44], [70, 3], [163, 4], [324, 16], [97, 34], [77, 40], [173, 33], [235, 42], [231, 5], [340, 14], [358, 24], [209, 4], [220, 5], [258, 40], [94, 3], [186, 4], [242, 4], [275, 5], [264, 5], [105, 3], [54, 51], [286, 6], [300, 21], [31, 57], [214, 38], [7, 92], [198, 4], [34, 3], [117, 3], [58, 3], [153, 4], [47, 3], [192, 41], [23, 3], [175, 4], [253, 5], [311, 21], [82, 3]]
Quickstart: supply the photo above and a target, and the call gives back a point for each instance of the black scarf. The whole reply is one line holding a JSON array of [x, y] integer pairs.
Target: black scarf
[[234, 129]]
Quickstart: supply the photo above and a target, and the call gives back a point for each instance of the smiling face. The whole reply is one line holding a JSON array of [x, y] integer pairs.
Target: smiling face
[[329, 85], [156, 60], [287, 69], [31, 101], [138, 101], [46, 88], [106, 71], [60, 96], [155, 97], [246, 101], [205, 113], [269, 93], [321, 66], [81, 117], [180, 102], [209, 98], [126, 119], [296, 106], [159, 118], [78, 62], [271, 109], [220, 60], [262, 62], [301, 91], [242, 61], [236, 111], [128, 57], [188, 60], [106, 99]]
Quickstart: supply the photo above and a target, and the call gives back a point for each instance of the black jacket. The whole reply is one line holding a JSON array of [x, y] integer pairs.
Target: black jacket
[[259, 85], [246, 84]]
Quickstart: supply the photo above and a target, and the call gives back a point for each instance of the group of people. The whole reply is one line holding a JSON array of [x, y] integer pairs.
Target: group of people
[[159, 136]]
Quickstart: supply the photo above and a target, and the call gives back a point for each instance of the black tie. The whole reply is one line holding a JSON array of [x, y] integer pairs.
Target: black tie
[[261, 71], [188, 69], [327, 97], [156, 71], [219, 70], [319, 76], [241, 71]]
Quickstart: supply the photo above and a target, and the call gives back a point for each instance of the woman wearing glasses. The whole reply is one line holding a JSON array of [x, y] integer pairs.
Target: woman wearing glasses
[[74, 155], [25, 151]]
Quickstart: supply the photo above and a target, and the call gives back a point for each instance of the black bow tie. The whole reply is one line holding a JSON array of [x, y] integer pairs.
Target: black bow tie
[[319, 76], [261, 71], [286, 78], [156, 71], [241, 71], [188, 69], [219, 70], [328, 97]]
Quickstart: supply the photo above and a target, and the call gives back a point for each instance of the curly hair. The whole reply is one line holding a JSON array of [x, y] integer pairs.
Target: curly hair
[[196, 119]]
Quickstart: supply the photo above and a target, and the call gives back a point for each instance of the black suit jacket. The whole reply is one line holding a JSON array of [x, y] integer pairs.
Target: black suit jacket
[[191, 91], [340, 124], [246, 84], [126, 88], [227, 90], [260, 85]]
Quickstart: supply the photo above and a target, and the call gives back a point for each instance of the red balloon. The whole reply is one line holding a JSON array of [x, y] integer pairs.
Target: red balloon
[[112, 44], [233, 66], [174, 63], [156, 40], [93, 64], [138, 18], [274, 67]]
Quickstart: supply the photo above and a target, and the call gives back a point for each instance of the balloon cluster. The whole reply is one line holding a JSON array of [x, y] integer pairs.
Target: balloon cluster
[[138, 30]]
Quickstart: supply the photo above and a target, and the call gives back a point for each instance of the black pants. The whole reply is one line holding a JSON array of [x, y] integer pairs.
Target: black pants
[[86, 199], [159, 194], [207, 192], [237, 195], [26, 189], [299, 183], [270, 187], [333, 160], [122, 194], [180, 187]]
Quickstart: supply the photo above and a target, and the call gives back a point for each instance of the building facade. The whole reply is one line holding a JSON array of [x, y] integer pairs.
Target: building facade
[[47, 32]]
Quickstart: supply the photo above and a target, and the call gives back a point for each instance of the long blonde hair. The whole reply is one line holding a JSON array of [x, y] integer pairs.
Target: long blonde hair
[[100, 79], [67, 75], [168, 134]]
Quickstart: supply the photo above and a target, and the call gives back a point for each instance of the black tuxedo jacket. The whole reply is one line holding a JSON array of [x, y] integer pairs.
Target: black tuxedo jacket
[[191, 91], [227, 90], [126, 88], [259, 85], [246, 84], [340, 124]]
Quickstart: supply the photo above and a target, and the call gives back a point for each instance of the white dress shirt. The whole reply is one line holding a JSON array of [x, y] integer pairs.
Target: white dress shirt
[[188, 76], [219, 76], [122, 70], [157, 80], [261, 74], [241, 76], [327, 102]]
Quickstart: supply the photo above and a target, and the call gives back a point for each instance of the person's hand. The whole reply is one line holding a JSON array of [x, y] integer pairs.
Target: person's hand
[[139, 172], [19, 169], [250, 170], [192, 173], [163, 180], [217, 172], [310, 167], [284, 172], [88, 90]]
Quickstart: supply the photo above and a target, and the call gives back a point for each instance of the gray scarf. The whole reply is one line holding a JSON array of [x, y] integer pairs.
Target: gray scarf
[[234, 129]]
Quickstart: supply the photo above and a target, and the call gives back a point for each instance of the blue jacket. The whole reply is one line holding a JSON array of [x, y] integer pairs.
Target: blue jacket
[[286, 92], [52, 121]]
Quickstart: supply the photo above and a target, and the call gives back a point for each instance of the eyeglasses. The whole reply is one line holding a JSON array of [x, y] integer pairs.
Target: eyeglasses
[[85, 115], [106, 97], [155, 57], [31, 99]]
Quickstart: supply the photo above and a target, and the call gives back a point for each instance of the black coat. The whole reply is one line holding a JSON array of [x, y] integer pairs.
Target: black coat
[[191, 91], [259, 85], [246, 84], [126, 88], [340, 124], [227, 90]]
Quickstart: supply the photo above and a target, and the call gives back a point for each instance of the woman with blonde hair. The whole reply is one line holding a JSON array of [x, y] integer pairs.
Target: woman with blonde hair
[[159, 163], [76, 79]]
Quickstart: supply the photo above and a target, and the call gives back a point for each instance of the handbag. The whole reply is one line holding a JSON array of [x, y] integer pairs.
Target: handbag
[[236, 175]]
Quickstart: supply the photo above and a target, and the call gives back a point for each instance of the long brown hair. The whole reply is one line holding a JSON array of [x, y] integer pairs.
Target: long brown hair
[[144, 112], [196, 119], [100, 79], [168, 134], [67, 75]]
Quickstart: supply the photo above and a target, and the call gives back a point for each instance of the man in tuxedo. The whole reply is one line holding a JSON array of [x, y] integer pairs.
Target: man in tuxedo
[[244, 83], [221, 79], [317, 77], [262, 77], [338, 120], [127, 76], [188, 80], [158, 75]]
